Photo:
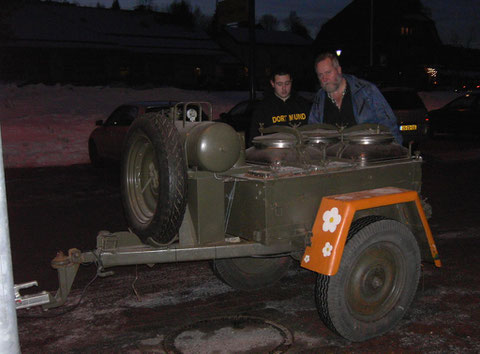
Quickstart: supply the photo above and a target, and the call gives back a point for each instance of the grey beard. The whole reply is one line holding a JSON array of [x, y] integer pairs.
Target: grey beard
[[332, 87]]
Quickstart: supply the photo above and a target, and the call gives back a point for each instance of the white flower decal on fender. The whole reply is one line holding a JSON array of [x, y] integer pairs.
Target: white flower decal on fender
[[331, 219], [306, 259], [327, 250]]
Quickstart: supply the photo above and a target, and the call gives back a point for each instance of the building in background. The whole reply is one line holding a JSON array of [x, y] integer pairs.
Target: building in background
[[396, 42], [272, 49], [52, 42]]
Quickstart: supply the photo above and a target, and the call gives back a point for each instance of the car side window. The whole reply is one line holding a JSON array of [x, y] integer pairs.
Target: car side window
[[122, 116], [240, 108], [127, 118]]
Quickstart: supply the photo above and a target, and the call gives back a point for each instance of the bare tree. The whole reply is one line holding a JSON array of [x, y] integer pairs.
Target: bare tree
[[200, 19], [471, 36], [269, 22], [454, 39], [115, 5], [145, 5], [182, 13], [294, 24]]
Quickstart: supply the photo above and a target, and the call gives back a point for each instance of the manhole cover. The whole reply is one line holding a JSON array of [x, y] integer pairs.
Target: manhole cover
[[238, 334]]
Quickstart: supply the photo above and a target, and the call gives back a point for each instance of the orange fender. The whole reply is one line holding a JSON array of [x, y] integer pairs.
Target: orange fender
[[335, 216]]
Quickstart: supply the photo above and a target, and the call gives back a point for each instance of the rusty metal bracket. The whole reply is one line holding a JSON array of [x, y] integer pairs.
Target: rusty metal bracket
[[67, 267]]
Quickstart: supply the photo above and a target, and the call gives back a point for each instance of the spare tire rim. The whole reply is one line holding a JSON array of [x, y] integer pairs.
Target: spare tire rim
[[142, 179]]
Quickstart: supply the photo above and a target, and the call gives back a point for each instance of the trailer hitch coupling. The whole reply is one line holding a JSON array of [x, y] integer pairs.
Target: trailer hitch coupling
[[27, 301], [67, 267]]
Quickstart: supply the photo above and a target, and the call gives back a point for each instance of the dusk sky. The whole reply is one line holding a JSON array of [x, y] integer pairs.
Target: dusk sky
[[458, 22]]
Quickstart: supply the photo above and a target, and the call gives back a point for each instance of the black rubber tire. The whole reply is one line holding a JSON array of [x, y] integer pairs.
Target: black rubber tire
[[95, 159], [154, 178], [251, 273], [375, 283]]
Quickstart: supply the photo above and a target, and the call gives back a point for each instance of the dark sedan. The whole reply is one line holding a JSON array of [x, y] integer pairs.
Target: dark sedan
[[239, 116], [412, 117], [459, 117], [106, 141]]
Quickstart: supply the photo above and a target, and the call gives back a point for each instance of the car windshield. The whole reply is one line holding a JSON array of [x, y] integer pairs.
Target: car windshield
[[154, 109], [403, 100]]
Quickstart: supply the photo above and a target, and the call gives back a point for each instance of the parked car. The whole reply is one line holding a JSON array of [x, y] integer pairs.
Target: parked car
[[411, 113], [239, 116], [458, 117], [106, 141]]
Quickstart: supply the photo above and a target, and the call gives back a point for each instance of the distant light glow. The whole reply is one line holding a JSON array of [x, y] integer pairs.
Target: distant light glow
[[339, 52], [432, 72]]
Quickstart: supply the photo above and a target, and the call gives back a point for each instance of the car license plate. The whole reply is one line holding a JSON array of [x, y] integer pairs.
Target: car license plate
[[408, 127]]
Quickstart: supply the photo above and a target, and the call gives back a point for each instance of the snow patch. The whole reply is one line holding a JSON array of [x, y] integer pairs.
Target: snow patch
[[228, 340], [169, 298], [312, 342], [50, 125], [293, 305]]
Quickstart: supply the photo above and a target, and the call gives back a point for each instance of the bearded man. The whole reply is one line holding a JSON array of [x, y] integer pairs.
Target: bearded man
[[345, 100]]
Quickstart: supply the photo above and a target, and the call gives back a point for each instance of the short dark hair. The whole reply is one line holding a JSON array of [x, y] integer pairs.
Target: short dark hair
[[327, 55], [280, 70]]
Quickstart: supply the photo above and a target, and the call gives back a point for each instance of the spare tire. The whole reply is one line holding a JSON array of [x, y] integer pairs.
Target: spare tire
[[154, 178]]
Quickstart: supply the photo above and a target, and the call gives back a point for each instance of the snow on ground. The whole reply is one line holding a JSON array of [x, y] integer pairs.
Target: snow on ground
[[49, 125]]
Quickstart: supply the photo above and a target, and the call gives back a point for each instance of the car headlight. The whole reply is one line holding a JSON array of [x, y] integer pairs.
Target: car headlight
[[192, 114]]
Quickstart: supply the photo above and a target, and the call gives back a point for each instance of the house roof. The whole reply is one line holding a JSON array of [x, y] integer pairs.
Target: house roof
[[56, 25], [241, 35]]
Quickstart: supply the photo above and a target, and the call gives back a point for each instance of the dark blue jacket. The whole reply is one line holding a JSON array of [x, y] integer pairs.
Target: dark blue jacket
[[369, 106]]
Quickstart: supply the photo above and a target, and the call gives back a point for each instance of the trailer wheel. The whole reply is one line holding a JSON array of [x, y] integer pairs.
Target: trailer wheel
[[375, 283], [154, 178], [251, 273]]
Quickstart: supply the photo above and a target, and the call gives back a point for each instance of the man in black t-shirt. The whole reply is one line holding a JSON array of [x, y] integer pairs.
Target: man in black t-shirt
[[281, 107]]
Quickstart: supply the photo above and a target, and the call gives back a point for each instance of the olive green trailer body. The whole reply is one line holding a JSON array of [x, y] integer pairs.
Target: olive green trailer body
[[282, 205]]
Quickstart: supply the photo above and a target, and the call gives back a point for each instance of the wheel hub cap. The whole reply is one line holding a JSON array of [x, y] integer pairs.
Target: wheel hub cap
[[374, 283]]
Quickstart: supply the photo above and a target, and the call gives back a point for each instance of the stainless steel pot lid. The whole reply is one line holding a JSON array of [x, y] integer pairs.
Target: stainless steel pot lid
[[368, 137], [277, 140], [321, 136]]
